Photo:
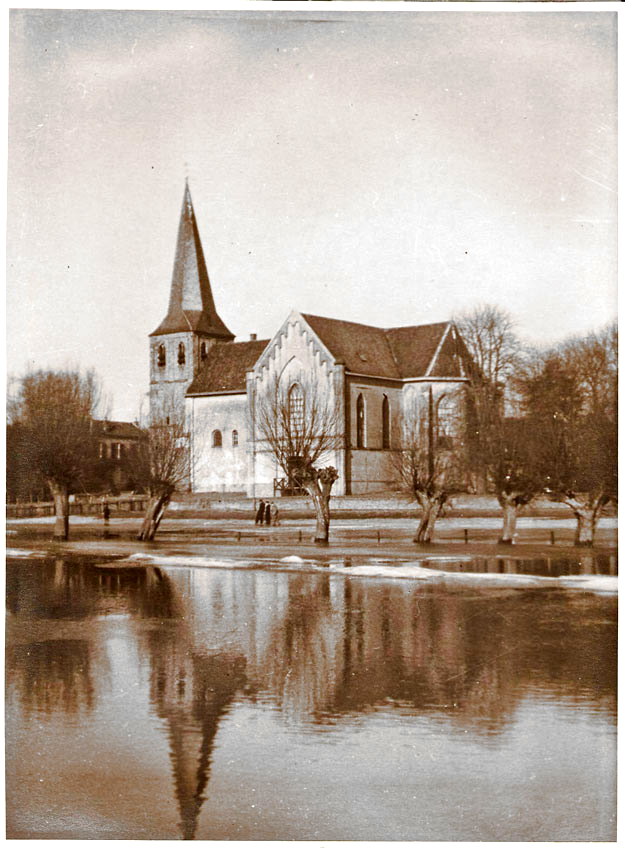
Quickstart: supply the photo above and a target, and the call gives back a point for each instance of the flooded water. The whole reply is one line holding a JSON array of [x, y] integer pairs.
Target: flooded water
[[257, 701]]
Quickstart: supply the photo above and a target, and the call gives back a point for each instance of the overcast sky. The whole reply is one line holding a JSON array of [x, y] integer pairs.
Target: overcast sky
[[390, 168]]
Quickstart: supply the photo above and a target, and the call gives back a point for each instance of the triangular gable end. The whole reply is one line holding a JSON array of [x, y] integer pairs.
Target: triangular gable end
[[447, 359], [294, 316]]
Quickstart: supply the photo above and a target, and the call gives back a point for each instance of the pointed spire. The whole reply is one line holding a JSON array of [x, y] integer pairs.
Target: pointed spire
[[191, 304]]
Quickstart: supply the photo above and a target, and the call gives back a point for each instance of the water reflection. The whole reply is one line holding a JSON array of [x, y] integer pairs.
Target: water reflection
[[584, 564], [191, 692], [324, 650], [52, 675]]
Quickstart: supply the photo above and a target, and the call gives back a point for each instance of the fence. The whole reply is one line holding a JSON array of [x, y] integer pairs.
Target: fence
[[78, 507]]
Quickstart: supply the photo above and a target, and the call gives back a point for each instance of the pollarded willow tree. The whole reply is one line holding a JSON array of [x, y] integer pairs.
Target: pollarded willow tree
[[429, 462], [301, 427], [161, 465], [570, 398], [53, 413]]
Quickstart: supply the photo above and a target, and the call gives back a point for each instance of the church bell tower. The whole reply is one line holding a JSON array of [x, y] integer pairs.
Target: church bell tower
[[182, 340]]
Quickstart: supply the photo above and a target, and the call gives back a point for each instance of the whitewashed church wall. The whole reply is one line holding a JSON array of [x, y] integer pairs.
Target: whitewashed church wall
[[295, 355], [219, 468]]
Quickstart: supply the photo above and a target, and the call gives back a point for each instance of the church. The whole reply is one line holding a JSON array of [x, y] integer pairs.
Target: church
[[373, 376]]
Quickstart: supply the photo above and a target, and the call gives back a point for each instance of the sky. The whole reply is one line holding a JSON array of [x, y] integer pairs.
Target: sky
[[388, 167]]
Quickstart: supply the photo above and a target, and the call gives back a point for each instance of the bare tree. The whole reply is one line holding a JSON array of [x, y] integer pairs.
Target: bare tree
[[161, 464], [427, 464], [494, 349], [54, 413], [513, 470], [570, 398], [300, 424]]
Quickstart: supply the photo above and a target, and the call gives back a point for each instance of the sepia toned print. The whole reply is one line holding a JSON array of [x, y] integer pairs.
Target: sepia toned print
[[312, 425]]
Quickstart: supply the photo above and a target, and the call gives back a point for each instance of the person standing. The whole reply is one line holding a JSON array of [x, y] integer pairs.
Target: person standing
[[268, 514], [274, 514], [260, 513]]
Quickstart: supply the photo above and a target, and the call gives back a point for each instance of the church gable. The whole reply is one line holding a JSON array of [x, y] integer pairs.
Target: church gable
[[295, 349]]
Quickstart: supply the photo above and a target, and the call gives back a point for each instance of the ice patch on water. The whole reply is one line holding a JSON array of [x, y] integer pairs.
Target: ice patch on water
[[22, 553], [603, 584], [384, 568], [188, 561]]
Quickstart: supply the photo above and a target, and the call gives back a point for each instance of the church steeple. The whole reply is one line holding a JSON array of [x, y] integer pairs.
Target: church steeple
[[182, 340], [191, 304]]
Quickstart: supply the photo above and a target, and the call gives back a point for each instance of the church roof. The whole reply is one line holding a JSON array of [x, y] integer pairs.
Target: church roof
[[191, 305], [396, 353], [225, 366]]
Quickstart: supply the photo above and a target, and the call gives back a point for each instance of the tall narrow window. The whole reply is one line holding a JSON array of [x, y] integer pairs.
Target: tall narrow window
[[181, 354], [162, 356], [360, 422], [386, 423], [203, 351], [235, 438], [216, 438], [296, 409]]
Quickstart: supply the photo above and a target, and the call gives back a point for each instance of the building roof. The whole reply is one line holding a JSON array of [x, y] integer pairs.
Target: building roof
[[225, 366], [118, 429], [396, 353], [191, 305]]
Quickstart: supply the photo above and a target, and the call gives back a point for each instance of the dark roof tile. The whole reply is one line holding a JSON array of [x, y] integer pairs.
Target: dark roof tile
[[397, 353], [225, 366]]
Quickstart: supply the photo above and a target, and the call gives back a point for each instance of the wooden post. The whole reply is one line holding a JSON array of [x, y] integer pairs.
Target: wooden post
[[466, 536], [378, 535], [553, 538], [299, 536]]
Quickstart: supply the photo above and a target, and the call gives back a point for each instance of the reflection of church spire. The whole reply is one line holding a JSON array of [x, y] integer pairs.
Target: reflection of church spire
[[191, 693]]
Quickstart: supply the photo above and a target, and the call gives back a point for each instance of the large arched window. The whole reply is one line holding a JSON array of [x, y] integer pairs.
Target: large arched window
[[296, 409], [181, 354], [161, 356], [386, 423], [216, 438], [360, 422]]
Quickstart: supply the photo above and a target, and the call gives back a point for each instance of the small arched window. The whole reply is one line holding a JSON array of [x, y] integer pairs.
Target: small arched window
[[235, 438], [161, 356], [386, 423], [296, 409], [203, 351], [360, 422], [182, 356], [216, 438]]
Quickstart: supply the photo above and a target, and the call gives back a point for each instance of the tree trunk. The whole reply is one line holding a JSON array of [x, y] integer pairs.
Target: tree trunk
[[586, 509], [586, 525], [510, 514], [157, 504], [423, 523], [431, 513], [60, 495], [321, 502]]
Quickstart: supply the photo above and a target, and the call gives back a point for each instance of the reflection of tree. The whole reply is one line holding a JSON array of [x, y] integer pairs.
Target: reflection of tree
[[74, 589], [192, 693], [302, 650], [52, 675], [466, 656]]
